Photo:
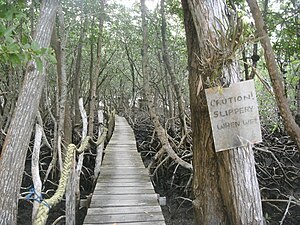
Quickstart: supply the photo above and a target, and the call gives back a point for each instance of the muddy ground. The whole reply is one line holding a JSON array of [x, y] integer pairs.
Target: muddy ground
[[278, 165]]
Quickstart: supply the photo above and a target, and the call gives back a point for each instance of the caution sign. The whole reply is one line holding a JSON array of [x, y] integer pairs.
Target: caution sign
[[234, 115]]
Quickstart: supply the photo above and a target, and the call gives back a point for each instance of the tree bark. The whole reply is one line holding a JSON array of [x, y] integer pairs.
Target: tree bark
[[15, 146], [225, 186], [297, 7], [35, 171], [174, 81], [255, 57], [277, 82], [100, 147], [59, 44], [73, 187], [95, 73], [77, 72]]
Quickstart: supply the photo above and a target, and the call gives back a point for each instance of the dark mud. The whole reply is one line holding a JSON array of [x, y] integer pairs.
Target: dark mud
[[278, 170]]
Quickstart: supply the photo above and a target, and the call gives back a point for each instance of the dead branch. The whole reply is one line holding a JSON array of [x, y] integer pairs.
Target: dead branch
[[286, 210]]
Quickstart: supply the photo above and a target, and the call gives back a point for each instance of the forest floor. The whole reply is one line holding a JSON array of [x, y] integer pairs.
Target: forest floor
[[277, 165]]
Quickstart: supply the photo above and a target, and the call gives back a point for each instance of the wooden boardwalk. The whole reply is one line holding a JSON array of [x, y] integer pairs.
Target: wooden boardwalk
[[124, 194]]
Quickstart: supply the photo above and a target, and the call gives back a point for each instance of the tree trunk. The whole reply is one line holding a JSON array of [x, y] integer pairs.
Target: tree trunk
[[255, 57], [76, 86], [59, 43], [15, 146], [277, 82], [70, 195], [73, 187], [225, 186], [160, 131], [95, 73], [174, 81], [100, 147], [297, 7], [35, 170]]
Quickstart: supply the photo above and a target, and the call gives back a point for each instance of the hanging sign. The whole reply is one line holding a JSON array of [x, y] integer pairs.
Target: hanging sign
[[234, 115]]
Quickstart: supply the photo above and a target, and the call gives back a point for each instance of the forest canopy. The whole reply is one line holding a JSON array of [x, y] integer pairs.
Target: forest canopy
[[67, 67]]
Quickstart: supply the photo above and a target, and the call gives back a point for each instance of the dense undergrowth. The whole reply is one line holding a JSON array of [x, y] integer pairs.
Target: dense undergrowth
[[277, 165]]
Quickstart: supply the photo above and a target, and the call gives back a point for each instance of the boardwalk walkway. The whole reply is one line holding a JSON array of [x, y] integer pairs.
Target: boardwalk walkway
[[124, 194]]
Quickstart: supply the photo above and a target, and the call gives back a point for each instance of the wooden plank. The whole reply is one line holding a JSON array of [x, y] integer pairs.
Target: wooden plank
[[129, 169], [118, 159], [113, 161], [125, 169], [119, 149], [117, 146], [123, 202], [134, 223], [112, 184], [124, 210], [124, 180], [121, 189], [117, 218], [114, 197], [125, 172], [124, 190], [120, 143], [118, 162], [122, 157], [122, 154], [120, 169], [120, 176], [125, 165]]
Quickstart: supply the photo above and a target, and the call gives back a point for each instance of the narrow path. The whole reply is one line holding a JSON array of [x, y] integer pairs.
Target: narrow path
[[124, 194]]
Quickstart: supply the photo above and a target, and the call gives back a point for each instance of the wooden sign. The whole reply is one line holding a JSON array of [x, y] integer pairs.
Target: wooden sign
[[234, 115]]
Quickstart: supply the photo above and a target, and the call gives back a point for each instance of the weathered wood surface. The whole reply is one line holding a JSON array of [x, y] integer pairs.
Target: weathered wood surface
[[124, 194]]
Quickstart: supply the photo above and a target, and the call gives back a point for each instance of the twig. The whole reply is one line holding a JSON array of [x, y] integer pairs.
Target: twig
[[188, 183], [174, 172], [293, 200], [3, 93], [160, 164], [274, 157], [185, 199], [58, 220], [286, 210]]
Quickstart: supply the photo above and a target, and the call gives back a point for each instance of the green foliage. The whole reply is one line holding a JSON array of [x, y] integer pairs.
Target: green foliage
[[17, 49], [174, 8], [282, 22], [287, 40], [283, 25]]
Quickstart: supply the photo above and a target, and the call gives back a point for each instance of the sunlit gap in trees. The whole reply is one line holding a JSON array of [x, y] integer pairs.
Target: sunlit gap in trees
[[151, 4]]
